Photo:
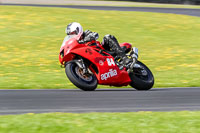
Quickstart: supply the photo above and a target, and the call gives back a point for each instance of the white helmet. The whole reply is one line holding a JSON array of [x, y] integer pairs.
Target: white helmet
[[74, 28]]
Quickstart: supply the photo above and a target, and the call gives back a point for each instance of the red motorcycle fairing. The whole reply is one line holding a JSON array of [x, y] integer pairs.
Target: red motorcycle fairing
[[128, 46], [108, 72]]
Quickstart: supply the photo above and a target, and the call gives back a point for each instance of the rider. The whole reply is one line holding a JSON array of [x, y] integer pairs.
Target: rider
[[109, 42]]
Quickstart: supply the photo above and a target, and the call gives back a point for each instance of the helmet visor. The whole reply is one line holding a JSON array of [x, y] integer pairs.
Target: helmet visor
[[72, 33]]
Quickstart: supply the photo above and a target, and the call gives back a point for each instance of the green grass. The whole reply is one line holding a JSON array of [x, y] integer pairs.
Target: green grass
[[31, 37], [138, 122]]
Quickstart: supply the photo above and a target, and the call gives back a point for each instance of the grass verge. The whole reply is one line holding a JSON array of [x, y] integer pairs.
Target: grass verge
[[137, 122], [31, 39]]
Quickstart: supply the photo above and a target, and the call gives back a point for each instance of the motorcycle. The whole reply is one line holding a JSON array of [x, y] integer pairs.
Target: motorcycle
[[89, 64]]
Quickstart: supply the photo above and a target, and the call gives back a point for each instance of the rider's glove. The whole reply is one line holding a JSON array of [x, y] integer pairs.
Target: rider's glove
[[87, 32], [91, 36]]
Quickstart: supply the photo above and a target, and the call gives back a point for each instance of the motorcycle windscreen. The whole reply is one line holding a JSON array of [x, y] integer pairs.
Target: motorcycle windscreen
[[67, 38], [77, 37]]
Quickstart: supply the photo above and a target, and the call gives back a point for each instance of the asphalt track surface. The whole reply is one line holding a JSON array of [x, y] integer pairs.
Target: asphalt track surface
[[102, 100], [183, 11]]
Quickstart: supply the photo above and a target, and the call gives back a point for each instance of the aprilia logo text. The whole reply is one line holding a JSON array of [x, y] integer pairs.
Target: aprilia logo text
[[109, 74]]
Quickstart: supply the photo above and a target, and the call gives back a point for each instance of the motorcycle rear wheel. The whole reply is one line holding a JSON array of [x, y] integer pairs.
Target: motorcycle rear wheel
[[75, 75], [141, 79]]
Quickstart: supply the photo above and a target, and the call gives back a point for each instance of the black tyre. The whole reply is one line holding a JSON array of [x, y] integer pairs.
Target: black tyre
[[84, 82], [141, 78]]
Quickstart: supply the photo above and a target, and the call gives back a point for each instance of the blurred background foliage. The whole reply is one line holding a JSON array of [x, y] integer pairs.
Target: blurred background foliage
[[194, 2]]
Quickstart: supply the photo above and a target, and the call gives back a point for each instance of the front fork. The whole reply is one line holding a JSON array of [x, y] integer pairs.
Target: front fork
[[82, 65], [134, 56]]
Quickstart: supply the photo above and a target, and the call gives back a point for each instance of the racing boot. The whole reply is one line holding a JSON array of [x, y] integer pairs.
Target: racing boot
[[110, 43]]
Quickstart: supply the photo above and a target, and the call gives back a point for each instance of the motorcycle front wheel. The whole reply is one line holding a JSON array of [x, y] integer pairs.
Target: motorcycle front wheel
[[86, 82], [141, 77]]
